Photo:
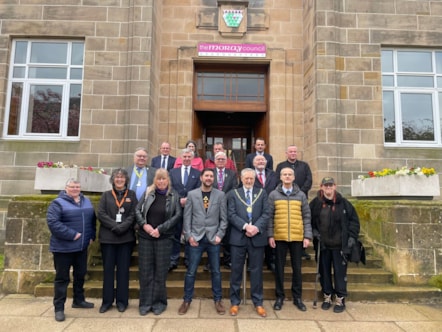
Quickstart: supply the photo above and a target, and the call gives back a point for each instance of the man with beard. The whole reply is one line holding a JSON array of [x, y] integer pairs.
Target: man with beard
[[204, 226]]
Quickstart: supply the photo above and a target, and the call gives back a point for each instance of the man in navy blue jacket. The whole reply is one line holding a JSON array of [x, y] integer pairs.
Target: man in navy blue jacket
[[164, 159], [72, 223]]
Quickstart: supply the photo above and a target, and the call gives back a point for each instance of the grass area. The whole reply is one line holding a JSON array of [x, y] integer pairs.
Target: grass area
[[2, 262]]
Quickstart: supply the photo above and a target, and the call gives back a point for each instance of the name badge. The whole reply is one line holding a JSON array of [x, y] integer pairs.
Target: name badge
[[118, 217]]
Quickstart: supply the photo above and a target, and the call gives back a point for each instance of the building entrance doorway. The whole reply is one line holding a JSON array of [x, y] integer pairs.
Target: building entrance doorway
[[237, 131], [230, 103]]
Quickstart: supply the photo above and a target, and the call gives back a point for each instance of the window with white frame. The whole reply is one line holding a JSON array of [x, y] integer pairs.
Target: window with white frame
[[412, 97], [44, 90]]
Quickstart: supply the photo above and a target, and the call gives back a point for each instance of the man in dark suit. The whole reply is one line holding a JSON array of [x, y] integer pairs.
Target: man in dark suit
[[248, 214], [225, 180], [260, 146], [267, 179], [205, 223], [140, 176], [182, 183], [164, 159]]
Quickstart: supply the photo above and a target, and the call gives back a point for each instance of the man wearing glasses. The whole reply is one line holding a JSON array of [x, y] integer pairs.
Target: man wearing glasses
[[140, 175]]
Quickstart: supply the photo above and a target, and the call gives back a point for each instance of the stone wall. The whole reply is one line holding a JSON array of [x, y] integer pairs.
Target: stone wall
[[406, 234], [28, 261]]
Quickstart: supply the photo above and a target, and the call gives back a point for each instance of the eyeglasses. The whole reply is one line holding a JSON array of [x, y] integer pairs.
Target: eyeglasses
[[141, 156]]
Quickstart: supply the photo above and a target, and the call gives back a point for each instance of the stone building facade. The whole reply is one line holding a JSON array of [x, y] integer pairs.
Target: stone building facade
[[311, 74]]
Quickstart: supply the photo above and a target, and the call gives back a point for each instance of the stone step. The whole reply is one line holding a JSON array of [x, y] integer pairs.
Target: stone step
[[357, 291], [356, 274]]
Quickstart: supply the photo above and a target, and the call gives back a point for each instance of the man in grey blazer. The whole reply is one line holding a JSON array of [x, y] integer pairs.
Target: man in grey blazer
[[140, 176], [248, 214], [204, 226]]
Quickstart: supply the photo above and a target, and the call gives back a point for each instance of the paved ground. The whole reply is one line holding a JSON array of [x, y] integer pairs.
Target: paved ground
[[27, 313]]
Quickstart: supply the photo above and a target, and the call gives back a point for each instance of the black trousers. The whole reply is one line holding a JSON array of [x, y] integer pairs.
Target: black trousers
[[295, 249], [62, 264], [116, 256], [329, 258]]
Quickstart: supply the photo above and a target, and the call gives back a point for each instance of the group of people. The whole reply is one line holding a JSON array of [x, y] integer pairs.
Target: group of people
[[183, 200]]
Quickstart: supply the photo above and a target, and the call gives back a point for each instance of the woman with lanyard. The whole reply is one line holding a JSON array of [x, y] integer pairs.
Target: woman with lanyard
[[116, 213]]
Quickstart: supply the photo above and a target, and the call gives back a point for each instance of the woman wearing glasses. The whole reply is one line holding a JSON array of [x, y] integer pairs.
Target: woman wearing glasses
[[116, 213], [71, 221]]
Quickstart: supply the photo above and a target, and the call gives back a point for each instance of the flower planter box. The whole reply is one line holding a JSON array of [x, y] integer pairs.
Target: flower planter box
[[397, 187], [52, 180]]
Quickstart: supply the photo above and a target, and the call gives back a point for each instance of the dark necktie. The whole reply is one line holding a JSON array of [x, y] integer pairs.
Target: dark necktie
[[220, 180], [249, 205], [163, 163], [186, 175]]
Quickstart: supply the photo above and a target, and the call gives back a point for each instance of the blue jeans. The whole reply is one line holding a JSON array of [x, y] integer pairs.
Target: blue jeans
[[195, 254]]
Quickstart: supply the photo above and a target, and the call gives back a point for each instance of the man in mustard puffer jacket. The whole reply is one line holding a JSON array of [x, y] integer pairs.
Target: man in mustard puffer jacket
[[289, 229]]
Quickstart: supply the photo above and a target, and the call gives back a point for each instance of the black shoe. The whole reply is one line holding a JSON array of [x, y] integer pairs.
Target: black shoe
[[306, 255], [339, 305], [172, 267], [59, 316], [271, 267], [228, 265], [121, 307], [144, 310], [83, 305], [298, 303], [158, 311], [278, 304], [206, 268], [104, 308], [327, 302]]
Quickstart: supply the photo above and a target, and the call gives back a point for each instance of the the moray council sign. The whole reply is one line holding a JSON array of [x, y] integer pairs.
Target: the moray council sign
[[236, 50]]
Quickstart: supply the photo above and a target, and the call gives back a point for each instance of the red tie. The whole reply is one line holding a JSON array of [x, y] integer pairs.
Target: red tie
[[260, 178]]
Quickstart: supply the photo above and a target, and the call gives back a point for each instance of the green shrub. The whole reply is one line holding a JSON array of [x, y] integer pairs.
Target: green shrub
[[436, 281]]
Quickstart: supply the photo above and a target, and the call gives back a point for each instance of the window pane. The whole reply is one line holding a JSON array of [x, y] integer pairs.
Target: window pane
[[14, 108], [231, 86], [77, 54], [19, 72], [76, 74], [387, 80], [387, 61], [439, 62], [417, 117], [409, 61], [415, 81], [44, 109], [43, 52], [20, 52], [389, 119], [47, 72], [212, 88], [74, 109]]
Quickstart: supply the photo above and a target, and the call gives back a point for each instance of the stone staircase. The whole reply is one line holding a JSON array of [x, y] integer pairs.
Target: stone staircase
[[365, 282]]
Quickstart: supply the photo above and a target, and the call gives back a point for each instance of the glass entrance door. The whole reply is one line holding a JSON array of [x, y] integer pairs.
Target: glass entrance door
[[236, 143]]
